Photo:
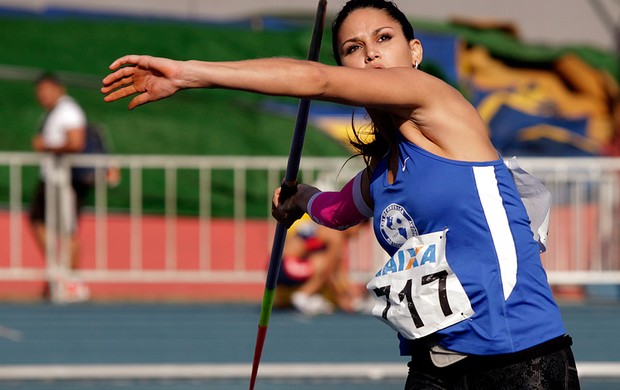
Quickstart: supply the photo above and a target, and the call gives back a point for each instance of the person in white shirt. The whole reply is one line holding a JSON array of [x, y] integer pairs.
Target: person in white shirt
[[62, 130]]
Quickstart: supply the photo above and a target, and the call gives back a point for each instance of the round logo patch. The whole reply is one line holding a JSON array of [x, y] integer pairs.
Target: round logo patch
[[397, 225]]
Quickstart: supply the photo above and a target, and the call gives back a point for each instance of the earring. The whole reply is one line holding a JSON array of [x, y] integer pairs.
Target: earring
[[416, 65]]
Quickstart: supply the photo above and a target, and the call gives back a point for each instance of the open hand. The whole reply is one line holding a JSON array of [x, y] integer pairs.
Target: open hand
[[151, 78]]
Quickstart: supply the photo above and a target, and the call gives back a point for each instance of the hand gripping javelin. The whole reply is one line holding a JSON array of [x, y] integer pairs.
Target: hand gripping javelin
[[288, 189]]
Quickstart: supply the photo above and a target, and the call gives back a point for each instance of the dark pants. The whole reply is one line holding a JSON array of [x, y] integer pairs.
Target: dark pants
[[37, 206], [552, 371]]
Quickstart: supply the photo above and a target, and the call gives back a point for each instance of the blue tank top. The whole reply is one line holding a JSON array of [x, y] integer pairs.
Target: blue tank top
[[490, 246]]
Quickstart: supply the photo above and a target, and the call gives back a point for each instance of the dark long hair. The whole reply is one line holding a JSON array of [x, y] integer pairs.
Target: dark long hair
[[378, 146]]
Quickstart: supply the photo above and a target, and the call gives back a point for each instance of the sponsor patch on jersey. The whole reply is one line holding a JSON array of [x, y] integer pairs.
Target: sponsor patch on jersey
[[397, 226]]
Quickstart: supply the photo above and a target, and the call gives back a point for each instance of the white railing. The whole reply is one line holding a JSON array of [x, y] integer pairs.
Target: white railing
[[584, 233], [584, 241]]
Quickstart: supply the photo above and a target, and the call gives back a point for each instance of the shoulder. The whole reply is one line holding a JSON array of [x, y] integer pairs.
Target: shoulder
[[447, 124], [67, 103], [69, 111]]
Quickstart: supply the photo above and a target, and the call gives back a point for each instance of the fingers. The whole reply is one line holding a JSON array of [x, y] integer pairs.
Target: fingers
[[120, 77], [275, 202], [128, 91], [283, 218], [286, 212], [119, 84], [276, 196], [132, 59], [120, 93], [139, 100]]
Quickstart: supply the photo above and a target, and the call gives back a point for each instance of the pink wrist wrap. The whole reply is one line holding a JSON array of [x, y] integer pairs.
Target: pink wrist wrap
[[340, 210]]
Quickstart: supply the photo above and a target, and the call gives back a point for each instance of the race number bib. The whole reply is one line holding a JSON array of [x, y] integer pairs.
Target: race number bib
[[416, 292]]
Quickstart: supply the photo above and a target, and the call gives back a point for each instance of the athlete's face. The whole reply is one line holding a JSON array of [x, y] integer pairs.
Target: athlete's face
[[371, 38]]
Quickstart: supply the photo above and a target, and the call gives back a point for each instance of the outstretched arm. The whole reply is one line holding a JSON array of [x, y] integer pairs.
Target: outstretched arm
[[157, 78]]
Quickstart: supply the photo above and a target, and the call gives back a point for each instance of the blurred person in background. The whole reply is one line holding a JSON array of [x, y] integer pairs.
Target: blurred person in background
[[62, 130], [314, 276]]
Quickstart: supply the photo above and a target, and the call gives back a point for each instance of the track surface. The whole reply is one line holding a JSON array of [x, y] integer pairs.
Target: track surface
[[189, 334]]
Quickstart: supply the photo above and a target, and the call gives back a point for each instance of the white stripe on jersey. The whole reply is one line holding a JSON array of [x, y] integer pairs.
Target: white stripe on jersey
[[497, 219]]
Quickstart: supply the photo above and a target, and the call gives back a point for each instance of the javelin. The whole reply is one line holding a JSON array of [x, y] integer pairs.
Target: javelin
[[287, 190]]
